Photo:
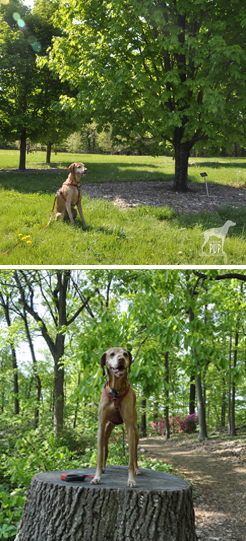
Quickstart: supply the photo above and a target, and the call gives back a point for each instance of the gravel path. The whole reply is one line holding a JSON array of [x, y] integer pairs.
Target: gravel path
[[217, 470]]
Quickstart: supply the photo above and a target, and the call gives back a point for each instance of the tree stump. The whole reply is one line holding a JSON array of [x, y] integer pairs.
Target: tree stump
[[160, 508]]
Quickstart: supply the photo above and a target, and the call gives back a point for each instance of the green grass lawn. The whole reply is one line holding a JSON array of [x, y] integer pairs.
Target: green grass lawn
[[139, 236]]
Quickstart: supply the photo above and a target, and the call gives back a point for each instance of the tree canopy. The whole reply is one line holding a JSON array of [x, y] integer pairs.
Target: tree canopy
[[185, 330], [158, 71], [27, 92]]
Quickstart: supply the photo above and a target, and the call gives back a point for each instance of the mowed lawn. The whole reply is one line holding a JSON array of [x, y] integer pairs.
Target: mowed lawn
[[139, 236]]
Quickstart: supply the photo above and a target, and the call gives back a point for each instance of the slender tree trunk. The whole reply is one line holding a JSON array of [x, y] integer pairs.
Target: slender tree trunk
[[16, 382], [3, 370], [35, 370], [200, 403], [62, 281], [77, 406], [233, 398], [22, 163], [58, 310], [223, 407], [192, 400], [182, 153], [201, 410], [5, 306], [48, 153], [229, 390], [58, 395], [167, 433], [143, 430]]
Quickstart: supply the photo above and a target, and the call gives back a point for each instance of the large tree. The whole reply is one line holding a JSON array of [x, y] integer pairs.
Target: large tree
[[27, 91], [158, 71]]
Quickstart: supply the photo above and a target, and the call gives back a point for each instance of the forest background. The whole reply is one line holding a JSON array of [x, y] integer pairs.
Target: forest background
[[186, 332]]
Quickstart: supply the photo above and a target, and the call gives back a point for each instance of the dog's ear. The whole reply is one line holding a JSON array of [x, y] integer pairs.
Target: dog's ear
[[71, 168], [130, 357], [103, 361]]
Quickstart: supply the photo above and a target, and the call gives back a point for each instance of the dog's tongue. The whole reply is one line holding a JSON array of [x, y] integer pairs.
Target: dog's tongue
[[118, 372]]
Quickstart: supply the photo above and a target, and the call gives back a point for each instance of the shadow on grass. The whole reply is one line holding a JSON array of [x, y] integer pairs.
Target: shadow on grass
[[216, 165], [48, 182], [207, 220]]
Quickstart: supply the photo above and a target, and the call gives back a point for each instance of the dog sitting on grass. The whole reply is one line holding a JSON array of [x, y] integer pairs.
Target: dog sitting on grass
[[70, 194]]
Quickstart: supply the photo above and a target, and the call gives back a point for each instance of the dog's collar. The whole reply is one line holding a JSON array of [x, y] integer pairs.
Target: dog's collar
[[116, 394], [70, 183]]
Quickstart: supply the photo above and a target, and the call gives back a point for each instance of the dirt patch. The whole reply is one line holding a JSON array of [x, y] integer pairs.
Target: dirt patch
[[161, 194], [217, 471], [157, 193]]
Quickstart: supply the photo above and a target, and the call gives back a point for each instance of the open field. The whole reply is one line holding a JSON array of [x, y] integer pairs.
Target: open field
[[145, 235]]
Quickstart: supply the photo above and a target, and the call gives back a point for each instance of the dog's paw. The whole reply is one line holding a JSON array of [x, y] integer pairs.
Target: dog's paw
[[137, 471], [96, 481], [131, 483]]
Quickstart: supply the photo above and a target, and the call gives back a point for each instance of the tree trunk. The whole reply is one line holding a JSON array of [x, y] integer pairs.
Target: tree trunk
[[182, 153], [22, 163], [223, 406], [229, 389], [192, 395], [5, 306], [48, 153], [200, 403], [160, 508], [143, 429], [77, 406], [58, 394], [56, 348], [233, 398], [167, 433], [35, 369], [201, 410]]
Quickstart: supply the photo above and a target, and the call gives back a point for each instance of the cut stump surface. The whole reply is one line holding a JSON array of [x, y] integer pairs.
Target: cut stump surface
[[160, 508]]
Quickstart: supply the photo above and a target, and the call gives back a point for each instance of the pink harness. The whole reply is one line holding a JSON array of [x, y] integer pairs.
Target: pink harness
[[70, 184], [113, 396]]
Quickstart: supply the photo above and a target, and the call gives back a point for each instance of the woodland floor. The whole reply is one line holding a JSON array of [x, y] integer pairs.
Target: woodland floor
[[158, 193], [217, 471]]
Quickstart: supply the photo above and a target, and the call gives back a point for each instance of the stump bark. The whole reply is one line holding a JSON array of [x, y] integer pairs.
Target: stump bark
[[160, 508]]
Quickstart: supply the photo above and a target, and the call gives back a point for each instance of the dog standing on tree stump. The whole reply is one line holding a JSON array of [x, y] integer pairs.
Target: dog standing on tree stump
[[117, 405]]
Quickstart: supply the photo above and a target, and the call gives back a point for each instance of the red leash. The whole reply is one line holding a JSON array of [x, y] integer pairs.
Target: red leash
[[50, 217], [12, 247]]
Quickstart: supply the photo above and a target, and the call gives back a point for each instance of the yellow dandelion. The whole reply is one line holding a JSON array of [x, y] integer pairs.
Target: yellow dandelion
[[20, 235], [29, 242]]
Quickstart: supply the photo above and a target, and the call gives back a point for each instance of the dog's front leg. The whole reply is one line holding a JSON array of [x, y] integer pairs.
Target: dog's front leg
[[69, 211], [81, 214], [132, 459], [100, 443]]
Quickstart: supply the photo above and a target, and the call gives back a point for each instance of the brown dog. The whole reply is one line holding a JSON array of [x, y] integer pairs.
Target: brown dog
[[70, 195], [117, 405]]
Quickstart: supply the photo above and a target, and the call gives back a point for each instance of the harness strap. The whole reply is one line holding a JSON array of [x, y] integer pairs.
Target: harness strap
[[116, 401], [70, 184]]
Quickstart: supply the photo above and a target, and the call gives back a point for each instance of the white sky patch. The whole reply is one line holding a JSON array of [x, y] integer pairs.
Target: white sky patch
[[28, 3]]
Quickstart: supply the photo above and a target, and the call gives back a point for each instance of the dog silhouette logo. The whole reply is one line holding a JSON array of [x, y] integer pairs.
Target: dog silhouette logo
[[216, 247]]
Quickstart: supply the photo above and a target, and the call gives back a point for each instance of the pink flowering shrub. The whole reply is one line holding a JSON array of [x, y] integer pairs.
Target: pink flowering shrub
[[182, 426], [186, 425]]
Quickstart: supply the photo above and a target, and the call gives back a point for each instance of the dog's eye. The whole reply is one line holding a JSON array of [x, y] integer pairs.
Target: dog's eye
[[112, 354], [125, 354]]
